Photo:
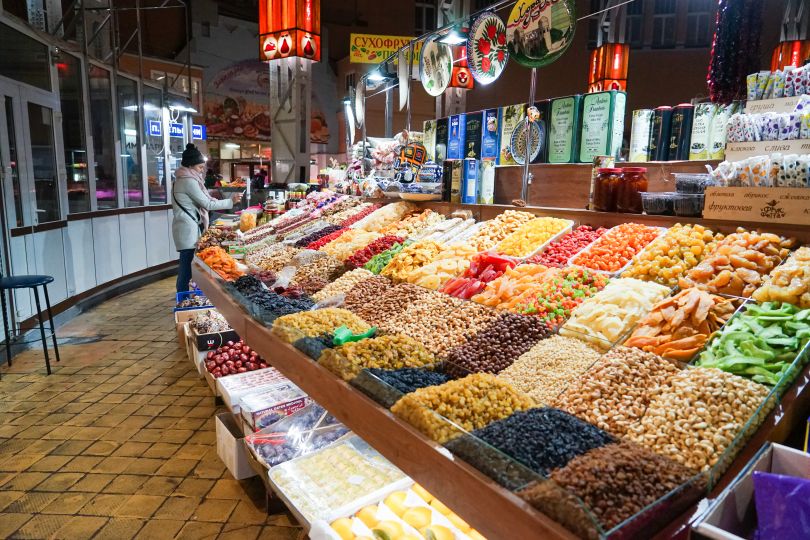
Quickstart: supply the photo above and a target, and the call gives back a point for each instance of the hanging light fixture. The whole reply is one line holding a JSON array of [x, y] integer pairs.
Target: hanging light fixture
[[794, 47], [462, 76], [609, 62], [290, 28]]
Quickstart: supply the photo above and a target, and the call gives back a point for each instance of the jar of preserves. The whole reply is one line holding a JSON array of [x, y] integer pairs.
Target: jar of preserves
[[634, 183], [605, 189]]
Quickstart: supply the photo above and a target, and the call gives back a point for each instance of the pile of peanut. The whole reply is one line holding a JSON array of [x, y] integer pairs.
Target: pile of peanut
[[273, 257], [546, 369], [327, 268], [343, 284], [615, 392], [394, 351], [697, 414], [470, 403], [293, 327]]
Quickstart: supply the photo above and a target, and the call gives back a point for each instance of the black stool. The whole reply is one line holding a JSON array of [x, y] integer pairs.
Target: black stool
[[29, 282]]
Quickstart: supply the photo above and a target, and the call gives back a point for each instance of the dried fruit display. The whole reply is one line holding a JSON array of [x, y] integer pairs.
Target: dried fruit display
[[314, 323], [233, 358], [413, 224], [553, 299], [451, 261], [760, 343], [471, 403], [484, 267], [393, 351], [739, 263], [386, 215], [343, 284], [617, 247], [789, 282], [313, 237], [604, 319], [363, 255], [220, 262], [669, 257], [530, 236], [696, 415], [322, 241], [559, 252], [505, 292], [273, 257], [546, 369], [378, 262], [349, 242], [215, 236], [679, 326], [410, 258], [495, 230], [614, 393]]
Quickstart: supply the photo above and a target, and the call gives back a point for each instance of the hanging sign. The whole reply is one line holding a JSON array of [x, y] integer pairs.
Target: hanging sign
[[761, 204], [373, 49], [155, 128], [198, 132], [538, 32], [487, 52], [177, 130], [435, 67]]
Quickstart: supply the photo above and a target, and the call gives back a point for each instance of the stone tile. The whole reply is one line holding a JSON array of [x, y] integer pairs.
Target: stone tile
[[141, 506], [214, 510], [68, 503], [120, 529], [194, 487], [127, 484], [192, 451], [93, 483], [12, 522], [160, 530], [178, 508], [248, 512], [105, 504], [59, 481], [42, 526], [24, 481], [209, 469], [199, 530], [50, 463], [102, 448], [7, 497], [270, 532], [240, 531], [19, 462], [71, 448], [80, 527], [135, 421], [177, 467], [113, 465], [31, 502], [161, 485], [227, 488], [143, 465], [132, 449], [82, 464], [162, 450]]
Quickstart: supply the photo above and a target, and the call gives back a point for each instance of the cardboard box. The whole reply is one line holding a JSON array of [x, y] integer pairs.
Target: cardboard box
[[732, 515], [181, 318], [262, 408], [233, 387], [231, 447], [210, 341]]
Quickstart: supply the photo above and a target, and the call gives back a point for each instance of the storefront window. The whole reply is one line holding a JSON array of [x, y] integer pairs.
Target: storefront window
[[46, 187], [103, 138], [24, 59], [12, 160], [72, 101], [177, 140], [155, 158], [129, 125]]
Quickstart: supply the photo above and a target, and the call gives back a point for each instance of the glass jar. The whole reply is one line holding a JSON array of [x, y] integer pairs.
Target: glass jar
[[605, 189], [634, 183]]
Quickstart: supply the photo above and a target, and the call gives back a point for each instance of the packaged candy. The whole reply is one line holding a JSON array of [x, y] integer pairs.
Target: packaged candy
[[769, 84], [779, 84], [804, 131], [751, 85], [790, 77], [762, 82], [776, 165], [760, 170]]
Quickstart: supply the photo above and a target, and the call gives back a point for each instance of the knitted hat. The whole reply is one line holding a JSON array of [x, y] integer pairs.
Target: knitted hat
[[191, 156]]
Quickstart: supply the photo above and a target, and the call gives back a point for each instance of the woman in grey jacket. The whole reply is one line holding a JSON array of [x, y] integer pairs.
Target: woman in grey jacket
[[190, 205]]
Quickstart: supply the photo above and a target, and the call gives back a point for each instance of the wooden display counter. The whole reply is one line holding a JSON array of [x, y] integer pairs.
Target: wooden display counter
[[487, 506]]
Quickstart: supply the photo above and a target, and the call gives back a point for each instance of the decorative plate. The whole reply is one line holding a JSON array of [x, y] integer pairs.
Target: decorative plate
[[435, 67], [518, 143], [487, 53], [538, 32]]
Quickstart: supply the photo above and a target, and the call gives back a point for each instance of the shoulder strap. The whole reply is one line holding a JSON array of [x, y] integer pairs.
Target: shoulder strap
[[183, 208]]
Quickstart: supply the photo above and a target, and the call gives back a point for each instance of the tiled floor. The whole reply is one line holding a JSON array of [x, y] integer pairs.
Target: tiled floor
[[119, 442]]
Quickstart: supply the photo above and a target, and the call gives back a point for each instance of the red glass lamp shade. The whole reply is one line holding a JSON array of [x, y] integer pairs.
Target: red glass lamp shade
[[608, 67], [790, 53], [289, 28]]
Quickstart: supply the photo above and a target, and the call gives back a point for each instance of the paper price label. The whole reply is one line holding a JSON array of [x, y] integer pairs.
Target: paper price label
[[790, 206]]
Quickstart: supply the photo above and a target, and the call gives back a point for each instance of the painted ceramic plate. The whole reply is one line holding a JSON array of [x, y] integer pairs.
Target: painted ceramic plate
[[435, 67], [487, 53], [360, 103], [538, 32], [518, 143]]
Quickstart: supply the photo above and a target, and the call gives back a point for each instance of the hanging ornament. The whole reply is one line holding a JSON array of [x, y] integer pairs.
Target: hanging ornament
[[360, 103], [538, 32], [435, 66], [487, 52], [402, 75], [735, 49]]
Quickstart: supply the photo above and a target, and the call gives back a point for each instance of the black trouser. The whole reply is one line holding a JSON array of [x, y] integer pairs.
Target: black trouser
[[184, 269]]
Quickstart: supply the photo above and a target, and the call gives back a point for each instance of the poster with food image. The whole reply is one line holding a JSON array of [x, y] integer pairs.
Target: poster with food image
[[510, 119], [435, 67], [538, 32], [237, 105]]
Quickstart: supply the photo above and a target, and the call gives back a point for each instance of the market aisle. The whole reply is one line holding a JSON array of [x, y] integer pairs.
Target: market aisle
[[119, 442]]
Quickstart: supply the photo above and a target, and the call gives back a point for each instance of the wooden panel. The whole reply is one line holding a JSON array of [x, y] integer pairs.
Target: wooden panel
[[568, 185], [484, 504]]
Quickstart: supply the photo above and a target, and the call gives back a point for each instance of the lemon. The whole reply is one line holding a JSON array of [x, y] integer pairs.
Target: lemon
[[343, 527], [396, 502], [417, 517], [388, 530], [437, 532], [368, 515]]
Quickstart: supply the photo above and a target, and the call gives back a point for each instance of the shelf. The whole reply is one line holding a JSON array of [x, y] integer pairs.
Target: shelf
[[477, 499]]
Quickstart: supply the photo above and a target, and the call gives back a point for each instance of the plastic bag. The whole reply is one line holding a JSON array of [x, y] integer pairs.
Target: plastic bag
[[333, 301], [783, 506]]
